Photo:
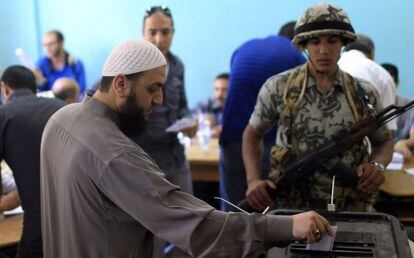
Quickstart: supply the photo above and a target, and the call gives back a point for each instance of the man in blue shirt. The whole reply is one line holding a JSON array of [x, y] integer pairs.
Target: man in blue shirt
[[57, 63], [252, 63]]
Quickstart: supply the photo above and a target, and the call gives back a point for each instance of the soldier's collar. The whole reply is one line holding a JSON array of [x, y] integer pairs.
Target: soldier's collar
[[338, 83]]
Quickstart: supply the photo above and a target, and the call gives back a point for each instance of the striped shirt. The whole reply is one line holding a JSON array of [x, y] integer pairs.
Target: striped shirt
[[251, 65]]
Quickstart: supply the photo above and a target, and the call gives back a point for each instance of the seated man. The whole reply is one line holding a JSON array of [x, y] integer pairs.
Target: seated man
[[57, 63], [66, 89], [404, 136], [10, 197], [213, 107]]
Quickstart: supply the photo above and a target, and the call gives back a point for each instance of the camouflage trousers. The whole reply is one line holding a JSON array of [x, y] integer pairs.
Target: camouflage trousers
[[345, 199]]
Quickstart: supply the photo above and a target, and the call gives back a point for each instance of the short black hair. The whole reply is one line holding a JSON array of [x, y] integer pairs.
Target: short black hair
[[105, 83], [223, 76], [363, 43], [59, 35], [393, 70], [107, 80], [288, 30], [19, 77], [158, 9]]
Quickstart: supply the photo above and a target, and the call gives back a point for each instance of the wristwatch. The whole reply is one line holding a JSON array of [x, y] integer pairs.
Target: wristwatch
[[379, 166]]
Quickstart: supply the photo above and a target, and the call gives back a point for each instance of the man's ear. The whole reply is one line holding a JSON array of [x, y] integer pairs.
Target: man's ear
[[372, 54], [62, 45], [5, 92], [121, 86]]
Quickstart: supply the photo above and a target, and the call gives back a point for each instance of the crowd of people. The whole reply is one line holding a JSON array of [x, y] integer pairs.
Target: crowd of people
[[98, 175]]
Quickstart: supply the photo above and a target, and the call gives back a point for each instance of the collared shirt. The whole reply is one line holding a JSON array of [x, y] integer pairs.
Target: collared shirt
[[251, 65], [103, 196], [211, 107], [162, 146], [74, 71], [358, 65], [22, 120], [7, 179], [404, 122], [320, 115]]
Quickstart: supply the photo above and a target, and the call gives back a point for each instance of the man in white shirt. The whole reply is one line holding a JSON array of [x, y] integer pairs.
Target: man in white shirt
[[358, 61], [10, 197]]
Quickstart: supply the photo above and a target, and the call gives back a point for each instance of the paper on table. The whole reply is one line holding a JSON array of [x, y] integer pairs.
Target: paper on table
[[397, 162], [15, 211], [409, 171], [326, 243], [180, 124]]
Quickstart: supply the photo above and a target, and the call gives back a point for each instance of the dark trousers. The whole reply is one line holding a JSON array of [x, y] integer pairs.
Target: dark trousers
[[32, 249], [233, 183]]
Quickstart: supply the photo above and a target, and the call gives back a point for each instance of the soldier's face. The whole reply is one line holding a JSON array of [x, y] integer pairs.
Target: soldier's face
[[324, 52]]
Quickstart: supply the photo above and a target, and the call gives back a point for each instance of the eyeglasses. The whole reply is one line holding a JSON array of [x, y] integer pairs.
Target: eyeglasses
[[153, 9]]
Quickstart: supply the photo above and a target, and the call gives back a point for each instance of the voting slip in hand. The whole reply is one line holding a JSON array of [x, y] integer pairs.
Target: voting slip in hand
[[326, 243], [180, 124]]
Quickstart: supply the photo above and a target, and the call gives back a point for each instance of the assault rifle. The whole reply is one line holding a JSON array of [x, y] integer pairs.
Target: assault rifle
[[326, 158]]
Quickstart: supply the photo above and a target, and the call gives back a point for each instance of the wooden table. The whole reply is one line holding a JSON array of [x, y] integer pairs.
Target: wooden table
[[399, 186], [398, 183], [205, 167], [10, 230], [204, 162]]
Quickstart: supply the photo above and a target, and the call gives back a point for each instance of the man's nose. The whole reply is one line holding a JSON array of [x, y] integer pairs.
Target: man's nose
[[323, 48], [158, 98], [159, 38]]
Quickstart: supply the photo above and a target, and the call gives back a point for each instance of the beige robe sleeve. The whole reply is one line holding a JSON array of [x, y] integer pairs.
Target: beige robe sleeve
[[135, 184]]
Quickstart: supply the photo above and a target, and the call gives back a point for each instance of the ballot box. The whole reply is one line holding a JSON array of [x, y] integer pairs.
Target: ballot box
[[359, 234]]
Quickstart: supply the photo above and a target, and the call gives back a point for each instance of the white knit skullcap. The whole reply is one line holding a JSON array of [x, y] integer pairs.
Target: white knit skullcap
[[133, 56]]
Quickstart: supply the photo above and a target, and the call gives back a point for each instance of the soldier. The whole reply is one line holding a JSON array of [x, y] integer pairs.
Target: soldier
[[309, 104]]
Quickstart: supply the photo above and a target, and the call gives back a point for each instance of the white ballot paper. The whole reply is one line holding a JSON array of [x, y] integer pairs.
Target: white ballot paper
[[326, 242], [180, 124], [409, 171], [397, 162], [15, 211]]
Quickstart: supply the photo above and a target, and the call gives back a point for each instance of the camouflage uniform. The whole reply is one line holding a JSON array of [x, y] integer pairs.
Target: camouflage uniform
[[319, 116]]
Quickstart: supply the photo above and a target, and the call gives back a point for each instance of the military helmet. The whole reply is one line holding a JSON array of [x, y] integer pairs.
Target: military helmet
[[323, 19]]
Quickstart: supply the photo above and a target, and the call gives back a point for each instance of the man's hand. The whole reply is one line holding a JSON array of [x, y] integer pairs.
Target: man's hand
[[310, 226], [190, 130], [257, 195], [216, 131], [401, 147], [370, 178], [40, 79]]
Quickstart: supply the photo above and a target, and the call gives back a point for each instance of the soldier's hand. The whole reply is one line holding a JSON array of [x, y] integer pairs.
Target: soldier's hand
[[257, 195], [310, 226], [370, 178]]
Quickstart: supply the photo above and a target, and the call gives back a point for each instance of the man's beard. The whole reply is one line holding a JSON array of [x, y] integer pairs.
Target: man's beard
[[131, 117]]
